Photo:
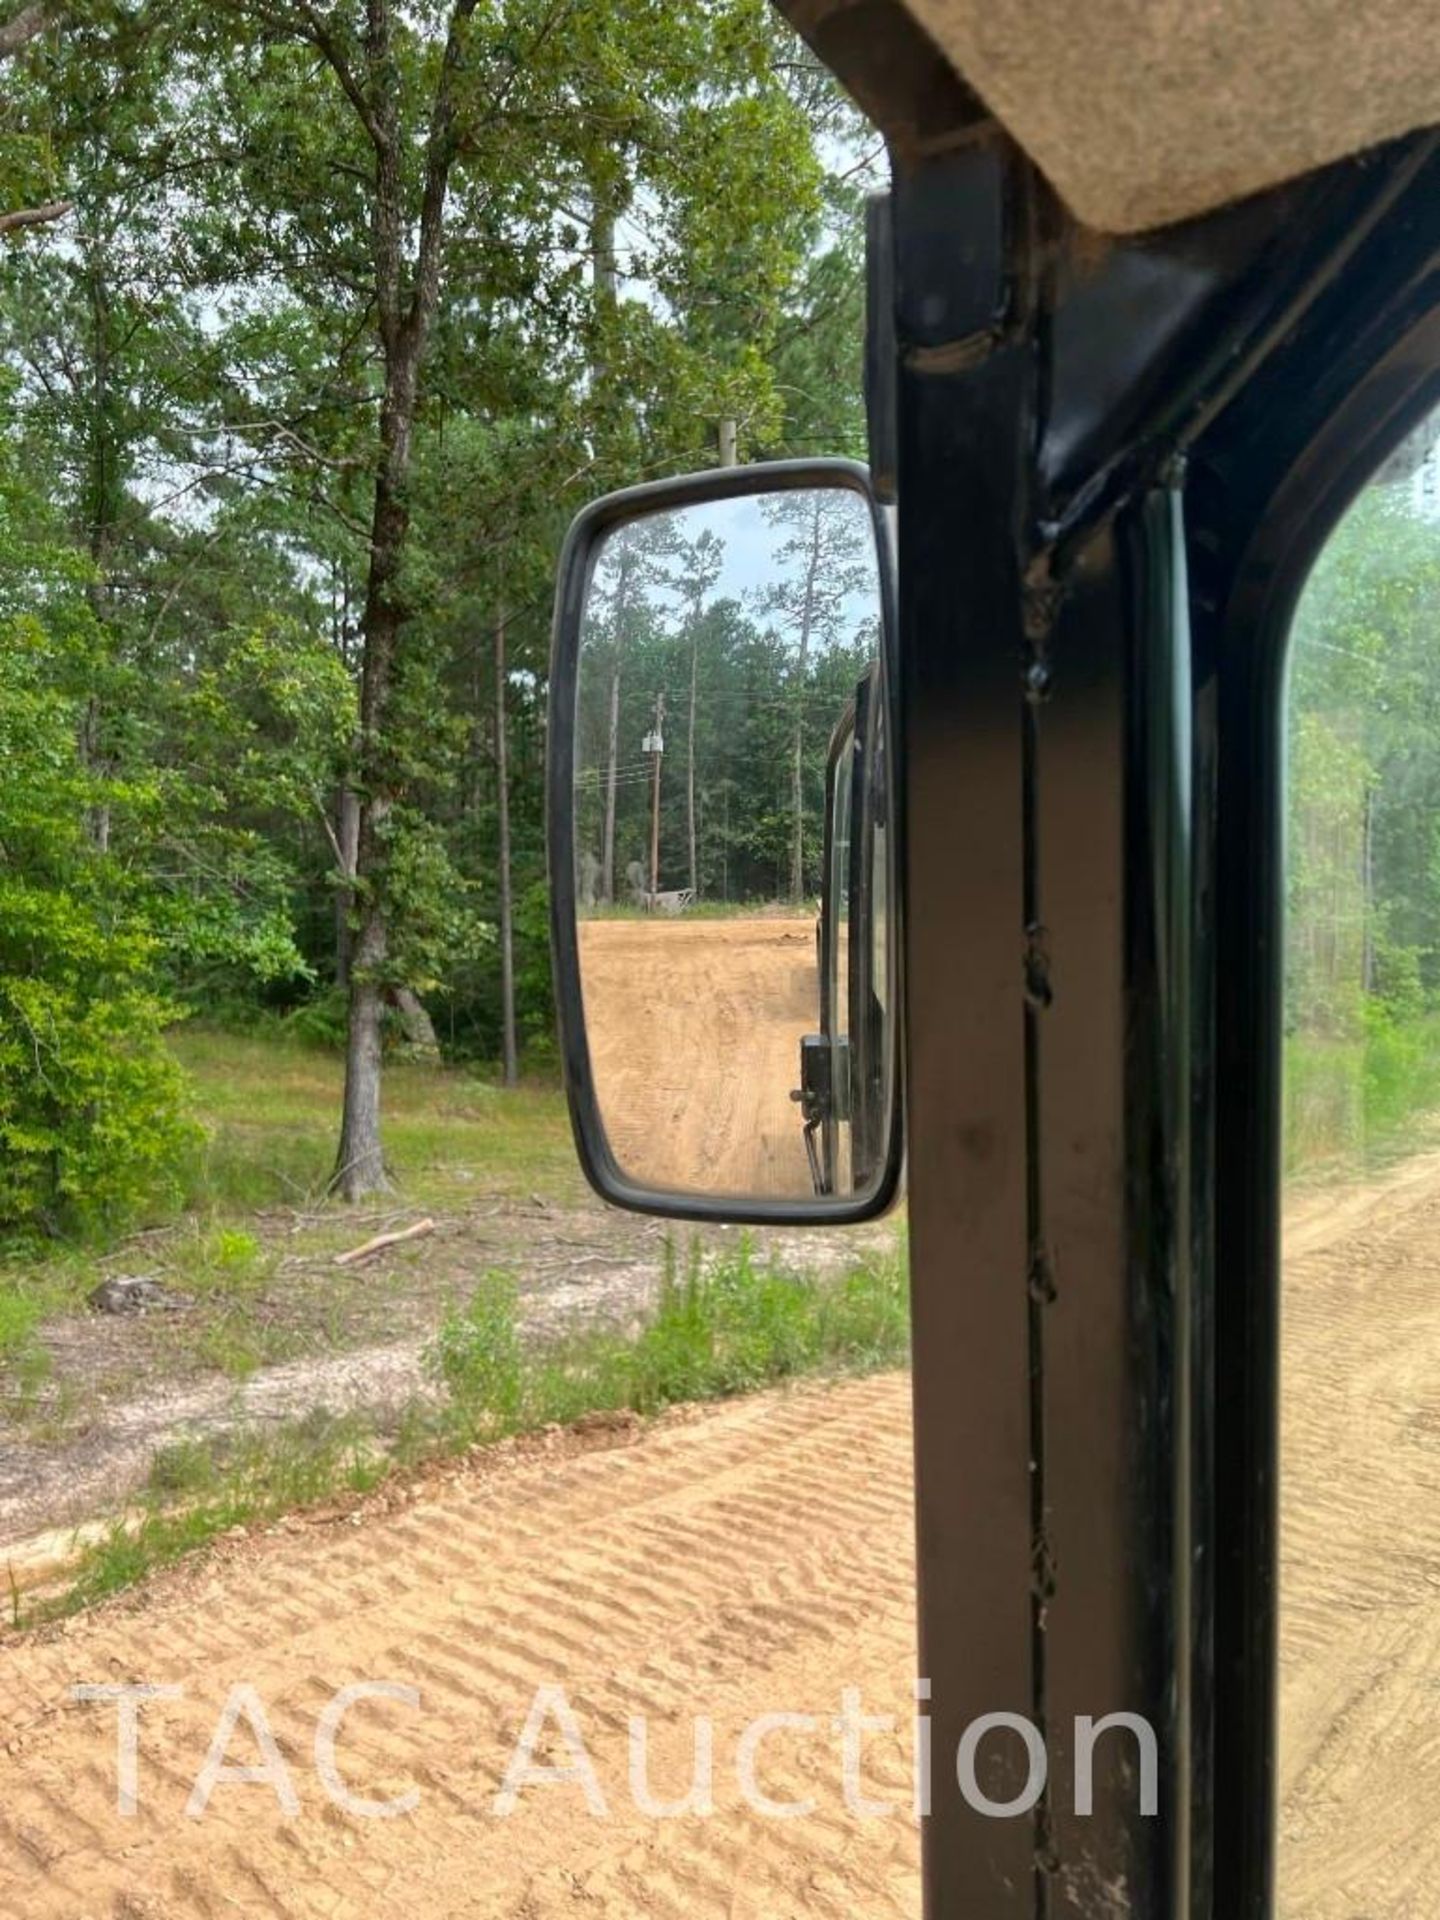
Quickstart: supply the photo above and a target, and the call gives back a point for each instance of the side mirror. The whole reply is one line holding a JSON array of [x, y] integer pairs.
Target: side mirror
[[723, 857]]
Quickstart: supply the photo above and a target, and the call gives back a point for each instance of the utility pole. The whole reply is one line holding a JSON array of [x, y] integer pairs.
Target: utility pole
[[622, 609], [654, 744], [507, 924], [607, 862]]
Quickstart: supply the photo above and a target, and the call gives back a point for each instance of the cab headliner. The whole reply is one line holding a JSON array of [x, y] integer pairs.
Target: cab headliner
[[1143, 112]]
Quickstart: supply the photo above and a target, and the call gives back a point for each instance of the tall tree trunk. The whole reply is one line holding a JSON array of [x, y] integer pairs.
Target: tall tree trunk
[[360, 1162], [728, 458], [404, 318], [605, 283], [347, 801], [360, 1159], [690, 758], [97, 822], [604, 266], [622, 609], [101, 513], [415, 1022], [657, 757], [347, 838], [797, 802], [476, 756], [507, 929], [728, 438], [607, 849], [797, 787]]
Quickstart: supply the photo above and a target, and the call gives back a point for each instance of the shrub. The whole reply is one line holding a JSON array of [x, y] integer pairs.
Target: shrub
[[723, 1324], [478, 1354], [320, 1021], [90, 1099], [24, 1362], [1364, 1099]]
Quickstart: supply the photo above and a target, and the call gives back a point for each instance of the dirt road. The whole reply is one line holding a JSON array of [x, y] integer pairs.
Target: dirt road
[[750, 1559], [695, 1032], [753, 1559], [1360, 1563]]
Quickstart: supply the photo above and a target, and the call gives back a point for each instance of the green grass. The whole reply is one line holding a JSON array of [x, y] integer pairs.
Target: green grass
[[207, 1258], [723, 1324], [1356, 1103], [18, 1314], [24, 1362], [234, 1344], [711, 910], [198, 1492], [271, 1110]]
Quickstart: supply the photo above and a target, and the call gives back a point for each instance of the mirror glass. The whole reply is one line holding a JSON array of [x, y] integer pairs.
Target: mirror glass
[[732, 847]]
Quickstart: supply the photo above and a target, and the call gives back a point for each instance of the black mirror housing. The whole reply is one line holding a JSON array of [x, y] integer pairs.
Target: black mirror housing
[[629, 1088]]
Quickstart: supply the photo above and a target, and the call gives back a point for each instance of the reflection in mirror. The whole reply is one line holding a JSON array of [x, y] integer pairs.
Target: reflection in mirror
[[731, 822]]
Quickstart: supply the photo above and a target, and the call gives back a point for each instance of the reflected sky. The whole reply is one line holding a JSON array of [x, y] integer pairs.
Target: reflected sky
[[752, 539]]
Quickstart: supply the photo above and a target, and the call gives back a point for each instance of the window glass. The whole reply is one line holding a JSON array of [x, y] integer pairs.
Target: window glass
[[1360, 1450]]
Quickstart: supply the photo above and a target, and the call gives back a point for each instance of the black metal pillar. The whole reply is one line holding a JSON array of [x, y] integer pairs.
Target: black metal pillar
[[962, 461], [1047, 801]]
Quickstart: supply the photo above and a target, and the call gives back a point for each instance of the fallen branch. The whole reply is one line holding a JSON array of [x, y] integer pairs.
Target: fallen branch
[[383, 1240], [298, 1218]]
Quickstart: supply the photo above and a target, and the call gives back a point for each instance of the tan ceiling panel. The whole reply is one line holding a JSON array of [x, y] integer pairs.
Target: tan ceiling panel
[[1146, 111]]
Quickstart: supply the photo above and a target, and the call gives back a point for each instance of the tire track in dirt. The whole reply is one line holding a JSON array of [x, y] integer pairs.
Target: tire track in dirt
[[694, 1029], [754, 1559], [1360, 1552]]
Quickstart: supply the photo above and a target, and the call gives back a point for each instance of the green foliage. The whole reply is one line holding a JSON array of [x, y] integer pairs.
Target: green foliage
[[90, 1124], [639, 243], [320, 1021], [534, 993], [24, 1359], [722, 1324], [199, 1492], [257, 740], [1363, 947], [432, 904], [478, 1353], [1365, 746], [1361, 1100]]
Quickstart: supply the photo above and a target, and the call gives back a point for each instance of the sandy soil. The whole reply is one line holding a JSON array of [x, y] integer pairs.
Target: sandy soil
[[695, 1032], [753, 1559], [1360, 1564], [131, 1389], [747, 1559]]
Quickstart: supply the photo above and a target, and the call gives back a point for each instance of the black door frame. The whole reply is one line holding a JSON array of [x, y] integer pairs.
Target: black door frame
[[1115, 462]]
